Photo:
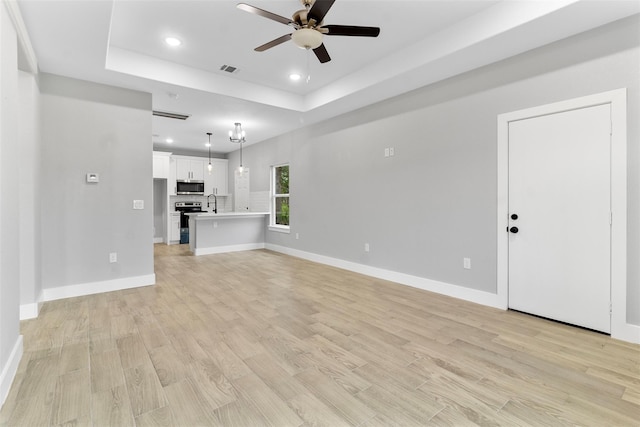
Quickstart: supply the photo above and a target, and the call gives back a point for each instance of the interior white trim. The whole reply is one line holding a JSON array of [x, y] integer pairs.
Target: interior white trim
[[230, 248], [620, 329], [32, 310], [10, 369], [455, 291], [83, 289], [158, 240], [25, 48]]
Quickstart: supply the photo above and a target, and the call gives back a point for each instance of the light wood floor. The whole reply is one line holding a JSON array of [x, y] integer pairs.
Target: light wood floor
[[258, 338]]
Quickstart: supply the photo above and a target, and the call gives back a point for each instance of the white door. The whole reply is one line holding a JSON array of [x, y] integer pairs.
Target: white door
[[559, 204]]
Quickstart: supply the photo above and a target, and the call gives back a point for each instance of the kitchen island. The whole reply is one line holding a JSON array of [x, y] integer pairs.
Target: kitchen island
[[214, 233]]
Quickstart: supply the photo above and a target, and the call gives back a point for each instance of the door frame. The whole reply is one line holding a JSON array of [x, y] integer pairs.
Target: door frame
[[620, 329]]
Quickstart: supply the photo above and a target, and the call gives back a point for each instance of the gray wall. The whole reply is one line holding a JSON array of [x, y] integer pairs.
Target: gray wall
[[434, 202], [9, 195], [88, 127], [30, 189]]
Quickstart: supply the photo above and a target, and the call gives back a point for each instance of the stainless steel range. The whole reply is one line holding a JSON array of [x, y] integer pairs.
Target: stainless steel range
[[184, 208]]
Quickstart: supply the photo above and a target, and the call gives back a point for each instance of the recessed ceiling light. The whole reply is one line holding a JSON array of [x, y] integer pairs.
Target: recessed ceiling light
[[295, 77], [172, 41], [207, 144], [169, 140]]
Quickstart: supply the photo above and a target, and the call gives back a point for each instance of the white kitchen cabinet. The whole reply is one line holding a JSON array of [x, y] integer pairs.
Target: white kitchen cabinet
[[161, 162], [216, 183], [175, 227], [190, 169]]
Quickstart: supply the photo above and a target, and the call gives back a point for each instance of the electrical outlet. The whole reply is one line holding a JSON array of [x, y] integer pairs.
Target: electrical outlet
[[366, 247], [215, 224], [113, 257], [386, 152], [297, 236], [392, 151], [466, 263]]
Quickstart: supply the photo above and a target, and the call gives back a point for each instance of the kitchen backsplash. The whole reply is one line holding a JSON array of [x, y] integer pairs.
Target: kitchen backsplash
[[258, 201]]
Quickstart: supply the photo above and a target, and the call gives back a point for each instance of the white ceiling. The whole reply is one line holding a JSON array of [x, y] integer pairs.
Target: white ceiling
[[121, 42]]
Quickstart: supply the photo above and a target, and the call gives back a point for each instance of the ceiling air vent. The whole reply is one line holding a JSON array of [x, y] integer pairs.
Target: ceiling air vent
[[229, 69], [171, 115]]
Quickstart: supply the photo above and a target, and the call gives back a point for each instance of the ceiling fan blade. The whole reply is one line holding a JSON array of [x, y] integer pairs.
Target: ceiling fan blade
[[266, 14], [319, 10], [351, 30], [322, 54], [273, 43]]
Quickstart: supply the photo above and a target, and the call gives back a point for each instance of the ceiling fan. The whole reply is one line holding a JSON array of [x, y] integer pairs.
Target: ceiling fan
[[309, 28]]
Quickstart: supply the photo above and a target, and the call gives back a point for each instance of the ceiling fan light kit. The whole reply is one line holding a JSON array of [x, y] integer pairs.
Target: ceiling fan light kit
[[309, 28], [306, 38]]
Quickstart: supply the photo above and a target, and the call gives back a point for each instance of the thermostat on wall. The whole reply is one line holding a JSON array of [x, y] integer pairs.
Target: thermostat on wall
[[93, 177]]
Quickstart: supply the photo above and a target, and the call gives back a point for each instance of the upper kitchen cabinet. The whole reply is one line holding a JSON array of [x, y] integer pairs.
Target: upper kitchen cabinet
[[216, 182], [189, 169], [161, 162]]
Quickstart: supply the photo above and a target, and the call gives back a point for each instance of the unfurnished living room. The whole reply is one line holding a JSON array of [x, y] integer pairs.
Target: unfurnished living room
[[319, 213]]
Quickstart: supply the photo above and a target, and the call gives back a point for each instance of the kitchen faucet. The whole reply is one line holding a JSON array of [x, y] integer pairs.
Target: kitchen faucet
[[215, 202]]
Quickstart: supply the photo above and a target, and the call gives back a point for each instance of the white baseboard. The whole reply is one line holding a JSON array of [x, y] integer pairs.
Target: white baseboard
[[9, 370], [626, 332], [98, 287], [32, 310], [158, 240], [231, 248], [460, 292]]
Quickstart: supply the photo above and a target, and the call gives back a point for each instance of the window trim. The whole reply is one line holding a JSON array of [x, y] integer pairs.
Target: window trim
[[272, 201]]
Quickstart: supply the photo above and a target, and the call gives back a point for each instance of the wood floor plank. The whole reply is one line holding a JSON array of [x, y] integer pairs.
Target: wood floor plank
[[106, 371], [168, 365], [259, 338], [275, 376], [266, 402], [111, 407], [315, 413], [144, 389], [161, 417], [188, 406], [74, 357], [211, 383], [240, 414], [71, 401], [335, 397], [132, 351]]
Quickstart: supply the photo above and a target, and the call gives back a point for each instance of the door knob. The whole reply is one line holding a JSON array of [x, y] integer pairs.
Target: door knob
[[514, 230], [514, 216]]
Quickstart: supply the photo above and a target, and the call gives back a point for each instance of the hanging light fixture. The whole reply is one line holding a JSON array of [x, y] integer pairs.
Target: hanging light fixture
[[209, 167], [237, 135], [240, 168]]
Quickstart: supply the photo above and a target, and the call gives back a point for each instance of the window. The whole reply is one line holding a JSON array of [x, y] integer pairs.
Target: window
[[280, 197]]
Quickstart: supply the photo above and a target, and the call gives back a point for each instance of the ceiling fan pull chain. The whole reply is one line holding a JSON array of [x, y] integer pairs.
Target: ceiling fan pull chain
[[308, 66]]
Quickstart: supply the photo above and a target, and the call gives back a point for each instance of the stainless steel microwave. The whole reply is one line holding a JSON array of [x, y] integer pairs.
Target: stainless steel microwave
[[190, 187]]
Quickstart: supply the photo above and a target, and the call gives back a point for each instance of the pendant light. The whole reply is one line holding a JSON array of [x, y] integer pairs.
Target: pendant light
[[209, 167], [237, 135]]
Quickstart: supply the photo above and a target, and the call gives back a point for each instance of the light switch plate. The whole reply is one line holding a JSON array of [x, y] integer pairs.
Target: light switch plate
[[138, 204], [93, 178]]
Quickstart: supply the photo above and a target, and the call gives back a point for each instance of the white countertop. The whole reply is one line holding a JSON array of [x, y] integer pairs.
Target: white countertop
[[205, 215]]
